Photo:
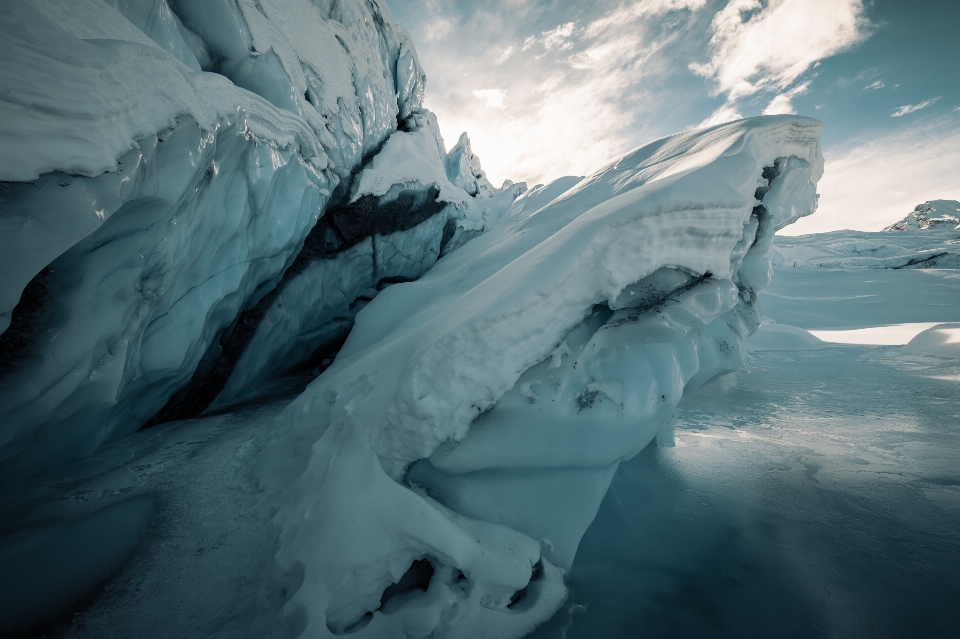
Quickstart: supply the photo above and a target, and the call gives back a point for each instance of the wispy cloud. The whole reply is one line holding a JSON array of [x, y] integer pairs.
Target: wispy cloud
[[879, 84], [758, 46], [493, 98], [783, 103], [637, 10], [873, 181], [768, 47], [577, 89], [906, 109], [726, 113]]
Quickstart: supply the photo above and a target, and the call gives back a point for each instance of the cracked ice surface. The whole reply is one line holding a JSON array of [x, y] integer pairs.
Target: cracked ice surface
[[474, 418]]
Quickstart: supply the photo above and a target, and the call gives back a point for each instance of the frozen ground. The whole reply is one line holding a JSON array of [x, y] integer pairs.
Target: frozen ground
[[814, 493]]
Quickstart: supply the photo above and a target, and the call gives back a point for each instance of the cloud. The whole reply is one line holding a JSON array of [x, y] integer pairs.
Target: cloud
[[910, 108], [876, 85], [637, 10], [726, 113], [756, 46], [783, 102], [554, 39], [578, 87], [873, 181], [492, 97]]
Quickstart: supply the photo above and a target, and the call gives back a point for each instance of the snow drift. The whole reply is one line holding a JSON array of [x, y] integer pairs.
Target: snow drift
[[471, 424]]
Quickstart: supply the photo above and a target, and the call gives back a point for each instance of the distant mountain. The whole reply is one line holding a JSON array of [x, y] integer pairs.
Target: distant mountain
[[935, 214]]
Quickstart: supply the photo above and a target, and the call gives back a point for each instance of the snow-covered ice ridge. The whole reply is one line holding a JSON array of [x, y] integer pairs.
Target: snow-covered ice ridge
[[933, 214], [465, 435], [165, 165]]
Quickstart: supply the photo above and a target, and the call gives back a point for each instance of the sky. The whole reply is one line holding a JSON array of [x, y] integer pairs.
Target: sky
[[547, 88]]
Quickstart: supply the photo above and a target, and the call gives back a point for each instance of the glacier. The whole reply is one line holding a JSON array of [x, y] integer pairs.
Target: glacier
[[145, 252], [209, 205]]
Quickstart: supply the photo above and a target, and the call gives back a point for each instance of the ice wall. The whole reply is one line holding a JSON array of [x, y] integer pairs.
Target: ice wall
[[471, 423], [185, 190]]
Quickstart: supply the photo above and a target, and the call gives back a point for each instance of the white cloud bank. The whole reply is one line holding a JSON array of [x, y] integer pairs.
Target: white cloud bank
[[870, 183]]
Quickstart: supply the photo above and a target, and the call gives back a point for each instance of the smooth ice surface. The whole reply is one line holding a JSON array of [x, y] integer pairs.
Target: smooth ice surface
[[812, 494], [771, 336]]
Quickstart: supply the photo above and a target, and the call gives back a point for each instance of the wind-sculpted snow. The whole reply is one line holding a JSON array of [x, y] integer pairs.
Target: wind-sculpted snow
[[181, 198], [472, 421]]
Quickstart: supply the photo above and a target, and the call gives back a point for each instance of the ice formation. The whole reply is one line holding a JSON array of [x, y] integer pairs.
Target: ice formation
[[149, 245], [200, 197], [473, 419]]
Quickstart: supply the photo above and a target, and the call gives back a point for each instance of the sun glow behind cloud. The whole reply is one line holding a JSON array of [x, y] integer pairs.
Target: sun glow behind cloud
[[561, 100], [552, 88], [549, 94]]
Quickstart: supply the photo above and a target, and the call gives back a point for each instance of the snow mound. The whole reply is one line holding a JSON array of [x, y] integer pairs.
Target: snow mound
[[942, 340], [934, 214], [451, 458], [781, 337]]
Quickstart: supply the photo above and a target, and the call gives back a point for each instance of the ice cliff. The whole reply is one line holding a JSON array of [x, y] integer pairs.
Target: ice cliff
[[200, 197], [165, 166]]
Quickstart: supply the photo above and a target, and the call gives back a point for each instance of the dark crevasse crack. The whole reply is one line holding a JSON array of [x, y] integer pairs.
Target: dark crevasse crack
[[340, 228], [917, 261], [26, 322]]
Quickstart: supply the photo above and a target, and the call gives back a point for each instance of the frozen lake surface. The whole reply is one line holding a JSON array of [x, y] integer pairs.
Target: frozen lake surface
[[812, 494]]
